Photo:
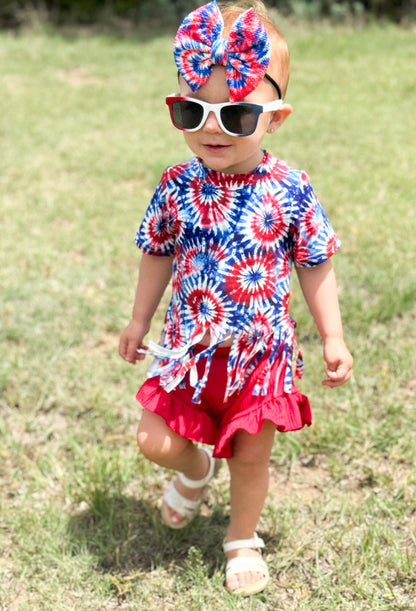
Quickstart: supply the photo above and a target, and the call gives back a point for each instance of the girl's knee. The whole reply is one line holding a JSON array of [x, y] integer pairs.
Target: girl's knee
[[156, 440], [146, 444], [150, 435], [249, 458], [253, 450]]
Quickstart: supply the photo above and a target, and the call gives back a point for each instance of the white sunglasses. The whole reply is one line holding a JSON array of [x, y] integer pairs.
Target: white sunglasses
[[234, 118]]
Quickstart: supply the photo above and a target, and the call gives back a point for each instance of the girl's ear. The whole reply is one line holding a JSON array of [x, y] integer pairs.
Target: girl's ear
[[279, 117]]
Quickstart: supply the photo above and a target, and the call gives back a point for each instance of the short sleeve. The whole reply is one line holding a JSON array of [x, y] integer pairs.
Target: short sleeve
[[315, 241], [156, 234]]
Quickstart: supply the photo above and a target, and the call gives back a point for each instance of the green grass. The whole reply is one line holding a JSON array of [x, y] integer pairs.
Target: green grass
[[84, 136]]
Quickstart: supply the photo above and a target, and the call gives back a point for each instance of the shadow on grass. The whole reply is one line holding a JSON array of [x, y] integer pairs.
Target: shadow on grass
[[126, 534]]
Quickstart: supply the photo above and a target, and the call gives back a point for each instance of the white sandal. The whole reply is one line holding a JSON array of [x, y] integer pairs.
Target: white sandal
[[176, 501], [242, 564]]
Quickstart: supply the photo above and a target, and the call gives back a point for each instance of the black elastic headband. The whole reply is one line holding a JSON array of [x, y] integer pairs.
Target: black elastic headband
[[275, 85]]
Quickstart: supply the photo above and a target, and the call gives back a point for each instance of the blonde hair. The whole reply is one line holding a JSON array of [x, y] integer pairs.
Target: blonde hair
[[278, 67]]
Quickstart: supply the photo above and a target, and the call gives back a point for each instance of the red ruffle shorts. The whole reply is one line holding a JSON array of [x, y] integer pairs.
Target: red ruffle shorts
[[214, 422]]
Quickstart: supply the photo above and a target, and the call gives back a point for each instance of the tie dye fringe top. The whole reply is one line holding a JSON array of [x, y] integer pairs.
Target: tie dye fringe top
[[234, 239]]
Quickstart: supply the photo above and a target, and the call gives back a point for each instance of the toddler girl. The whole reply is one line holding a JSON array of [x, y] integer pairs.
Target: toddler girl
[[227, 227]]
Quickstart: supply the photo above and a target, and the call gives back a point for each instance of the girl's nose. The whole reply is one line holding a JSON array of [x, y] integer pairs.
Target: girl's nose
[[211, 124]]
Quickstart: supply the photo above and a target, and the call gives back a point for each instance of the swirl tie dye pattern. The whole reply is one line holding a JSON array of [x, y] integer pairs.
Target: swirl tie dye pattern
[[235, 238], [199, 45]]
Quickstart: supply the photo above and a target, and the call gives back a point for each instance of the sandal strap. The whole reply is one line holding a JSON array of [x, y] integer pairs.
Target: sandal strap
[[199, 483], [179, 503], [255, 543], [243, 564]]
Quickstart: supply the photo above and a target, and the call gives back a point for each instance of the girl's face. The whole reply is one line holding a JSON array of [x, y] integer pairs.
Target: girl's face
[[218, 150]]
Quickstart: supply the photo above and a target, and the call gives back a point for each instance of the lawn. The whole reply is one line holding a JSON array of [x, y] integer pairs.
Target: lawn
[[84, 136]]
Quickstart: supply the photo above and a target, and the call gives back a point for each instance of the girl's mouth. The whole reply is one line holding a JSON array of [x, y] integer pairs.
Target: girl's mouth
[[215, 147]]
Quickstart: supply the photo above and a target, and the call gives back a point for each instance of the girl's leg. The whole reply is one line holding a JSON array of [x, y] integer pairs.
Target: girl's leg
[[168, 449], [249, 470]]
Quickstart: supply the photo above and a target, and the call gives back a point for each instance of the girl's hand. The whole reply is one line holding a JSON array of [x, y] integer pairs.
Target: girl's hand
[[339, 362], [130, 340]]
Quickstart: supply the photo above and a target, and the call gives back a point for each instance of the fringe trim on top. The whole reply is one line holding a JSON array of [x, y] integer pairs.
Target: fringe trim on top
[[246, 351]]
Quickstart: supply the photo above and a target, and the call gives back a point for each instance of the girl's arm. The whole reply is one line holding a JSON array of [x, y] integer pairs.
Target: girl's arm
[[319, 287], [154, 275]]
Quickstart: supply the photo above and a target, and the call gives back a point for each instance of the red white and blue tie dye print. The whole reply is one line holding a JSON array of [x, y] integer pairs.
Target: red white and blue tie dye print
[[199, 45], [234, 238]]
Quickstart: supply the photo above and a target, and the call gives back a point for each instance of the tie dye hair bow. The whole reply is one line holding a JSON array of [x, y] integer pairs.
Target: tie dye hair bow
[[199, 45]]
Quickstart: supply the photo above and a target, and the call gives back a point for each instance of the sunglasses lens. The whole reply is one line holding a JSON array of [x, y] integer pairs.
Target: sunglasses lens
[[187, 114], [240, 119]]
